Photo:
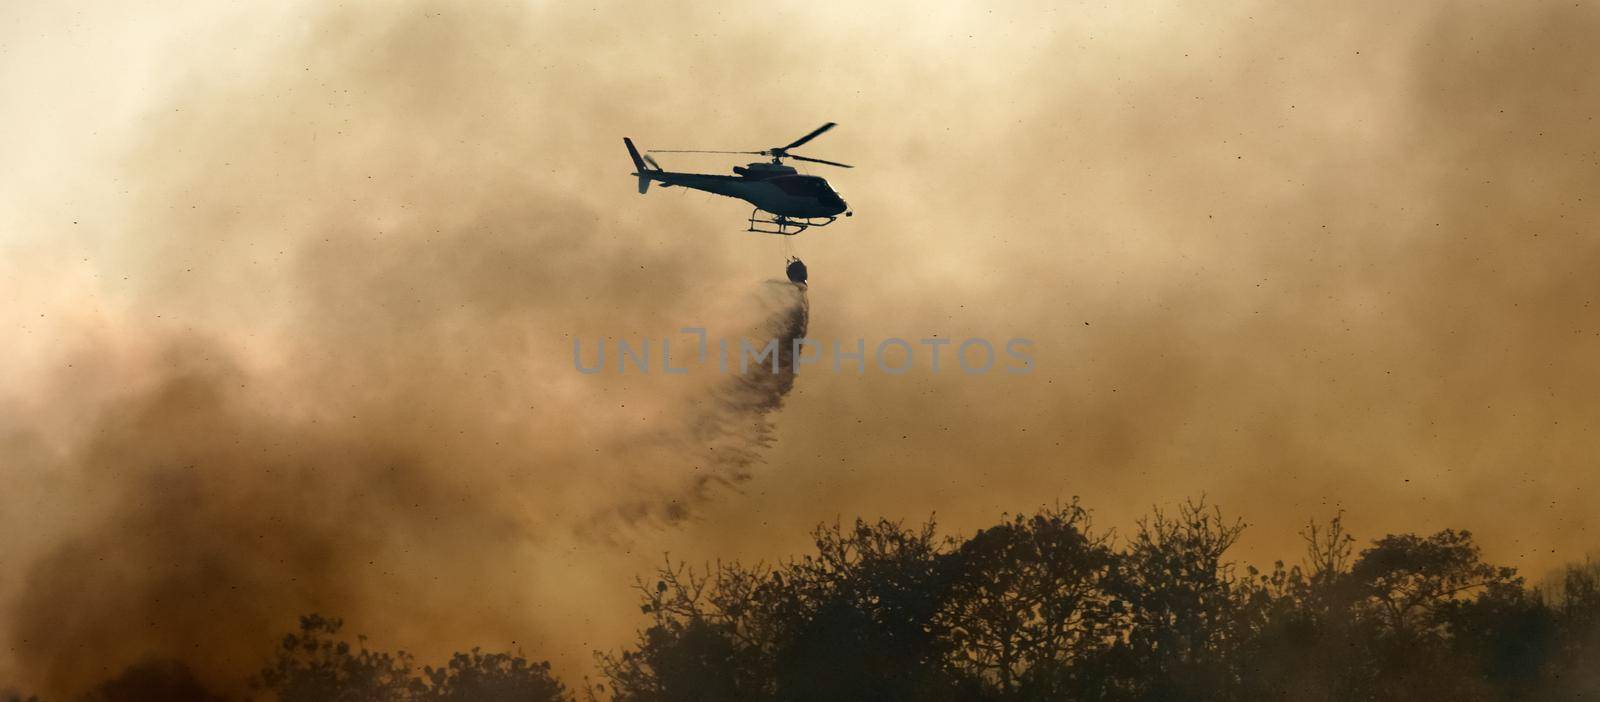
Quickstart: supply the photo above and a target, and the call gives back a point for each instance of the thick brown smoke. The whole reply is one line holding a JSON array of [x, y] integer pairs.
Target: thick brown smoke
[[290, 296], [338, 393]]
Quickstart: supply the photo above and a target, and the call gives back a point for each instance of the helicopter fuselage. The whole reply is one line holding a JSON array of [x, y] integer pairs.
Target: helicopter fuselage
[[784, 194]]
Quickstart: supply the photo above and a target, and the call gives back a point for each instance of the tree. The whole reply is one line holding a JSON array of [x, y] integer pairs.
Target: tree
[[859, 619], [313, 666], [1296, 638], [709, 638], [1180, 594], [1402, 588], [1028, 602], [491, 677], [1507, 635], [1405, 580], [1574, 599], [1040, 607]]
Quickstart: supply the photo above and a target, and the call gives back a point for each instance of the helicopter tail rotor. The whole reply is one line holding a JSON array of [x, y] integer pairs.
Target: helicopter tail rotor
[[639, 167]]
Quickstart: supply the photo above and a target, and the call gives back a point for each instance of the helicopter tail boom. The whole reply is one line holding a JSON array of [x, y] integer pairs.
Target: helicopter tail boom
[[638, 166]]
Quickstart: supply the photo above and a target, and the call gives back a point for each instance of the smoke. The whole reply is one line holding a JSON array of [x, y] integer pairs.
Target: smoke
[[219, 517], [290, 297], [337, 384], [222, 514], [153, 681]]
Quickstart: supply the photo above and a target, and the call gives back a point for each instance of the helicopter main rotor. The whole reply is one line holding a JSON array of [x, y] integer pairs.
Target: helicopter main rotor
[[777, 153]]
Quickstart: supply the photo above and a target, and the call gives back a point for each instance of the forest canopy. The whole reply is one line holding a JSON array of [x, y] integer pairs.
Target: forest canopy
[[1039, 606]]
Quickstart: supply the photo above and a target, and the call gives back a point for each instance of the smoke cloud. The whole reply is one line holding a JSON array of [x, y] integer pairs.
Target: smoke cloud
[[290, 296], [332, 387]]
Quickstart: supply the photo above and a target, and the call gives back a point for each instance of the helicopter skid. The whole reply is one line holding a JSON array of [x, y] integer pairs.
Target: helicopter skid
[[763, 222]]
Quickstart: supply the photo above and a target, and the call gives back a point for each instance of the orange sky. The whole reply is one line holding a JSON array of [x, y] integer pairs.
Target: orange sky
[[290, 294]]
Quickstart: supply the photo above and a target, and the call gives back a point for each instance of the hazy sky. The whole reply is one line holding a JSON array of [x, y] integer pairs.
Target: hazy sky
[[289, 295]]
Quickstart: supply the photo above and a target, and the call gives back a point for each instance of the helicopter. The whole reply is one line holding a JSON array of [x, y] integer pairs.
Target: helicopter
[[786, 202]]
